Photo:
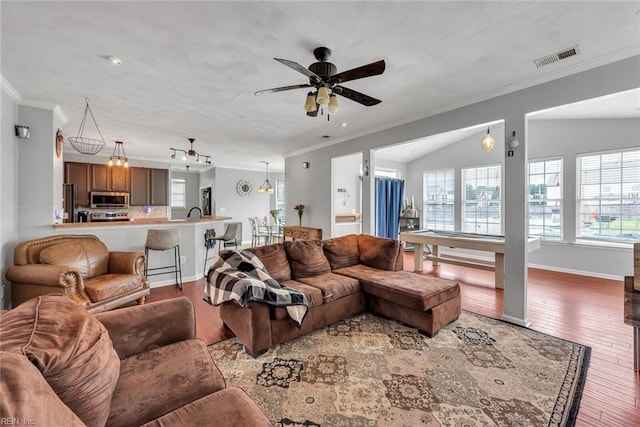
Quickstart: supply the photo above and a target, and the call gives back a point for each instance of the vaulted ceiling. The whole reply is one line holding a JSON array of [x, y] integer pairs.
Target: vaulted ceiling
[[190, 69]]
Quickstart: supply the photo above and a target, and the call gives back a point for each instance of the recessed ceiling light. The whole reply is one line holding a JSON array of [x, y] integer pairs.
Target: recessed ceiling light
[[344, 124], [115, 60], [326, 136]]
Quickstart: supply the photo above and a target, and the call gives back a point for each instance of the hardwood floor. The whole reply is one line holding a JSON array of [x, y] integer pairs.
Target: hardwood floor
[[582, 309]]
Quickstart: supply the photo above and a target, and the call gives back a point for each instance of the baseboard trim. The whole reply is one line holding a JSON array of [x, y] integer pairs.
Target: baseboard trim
[[167, 282], [577, 272], [516, 321]]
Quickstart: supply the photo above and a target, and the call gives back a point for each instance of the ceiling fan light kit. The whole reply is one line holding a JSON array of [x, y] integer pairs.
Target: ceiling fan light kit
[[326, 81]]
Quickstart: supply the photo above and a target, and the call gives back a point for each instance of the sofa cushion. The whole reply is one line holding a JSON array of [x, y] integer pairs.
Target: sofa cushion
[[333, 286], [90, 257], [404, 288], [378, 252], [275, 261], [22, 384], [342, 251], [229, 407], [306, 258], [70, 347], [161, 380], [107, 286], [313, 294]]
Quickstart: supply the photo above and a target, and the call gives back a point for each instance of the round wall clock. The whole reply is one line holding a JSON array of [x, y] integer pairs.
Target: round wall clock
[[243, 187]]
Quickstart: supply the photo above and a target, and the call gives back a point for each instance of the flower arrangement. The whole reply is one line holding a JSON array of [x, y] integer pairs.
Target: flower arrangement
[[300, 208], [274, 213]]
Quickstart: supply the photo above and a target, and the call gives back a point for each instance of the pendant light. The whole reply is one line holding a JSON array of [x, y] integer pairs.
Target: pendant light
[[266, 185], [488, 141], [119, 155]]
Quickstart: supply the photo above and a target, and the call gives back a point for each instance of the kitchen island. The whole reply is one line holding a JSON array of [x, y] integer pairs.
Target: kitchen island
[[131, 236]]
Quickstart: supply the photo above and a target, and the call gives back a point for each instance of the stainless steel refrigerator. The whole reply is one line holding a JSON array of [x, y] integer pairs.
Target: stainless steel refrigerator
[[69, 194]]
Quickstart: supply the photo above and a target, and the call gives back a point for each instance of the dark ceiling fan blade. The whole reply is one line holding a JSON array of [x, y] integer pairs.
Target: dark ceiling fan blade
[[356, 96], [368, 70], [314, 113], [299, 68], [281, 89]]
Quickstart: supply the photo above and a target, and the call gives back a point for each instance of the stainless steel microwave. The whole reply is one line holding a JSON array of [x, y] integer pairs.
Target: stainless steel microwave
[[109, 199]]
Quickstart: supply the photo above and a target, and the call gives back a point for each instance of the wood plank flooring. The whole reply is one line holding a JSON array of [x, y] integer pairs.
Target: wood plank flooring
[[582, 309]]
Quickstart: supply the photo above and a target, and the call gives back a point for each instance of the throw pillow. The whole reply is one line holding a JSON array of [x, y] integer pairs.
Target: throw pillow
[[342, 251], [306, 258], [70, 347], [90, 257], [275, 261], [378, 252]]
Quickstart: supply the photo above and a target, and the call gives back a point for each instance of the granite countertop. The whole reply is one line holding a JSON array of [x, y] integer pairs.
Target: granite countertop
[[143, 221]]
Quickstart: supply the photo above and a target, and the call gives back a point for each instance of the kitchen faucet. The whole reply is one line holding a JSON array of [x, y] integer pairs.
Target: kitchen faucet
[[195, 207]]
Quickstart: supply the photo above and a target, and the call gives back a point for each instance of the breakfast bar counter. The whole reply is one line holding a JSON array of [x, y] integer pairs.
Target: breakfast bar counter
[[142, 221], [132, 235]]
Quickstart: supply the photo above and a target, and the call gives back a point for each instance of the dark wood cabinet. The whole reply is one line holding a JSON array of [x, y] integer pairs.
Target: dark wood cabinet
[[159, 187], [109, 178], [149, 187], [78, 174], [146, 186]]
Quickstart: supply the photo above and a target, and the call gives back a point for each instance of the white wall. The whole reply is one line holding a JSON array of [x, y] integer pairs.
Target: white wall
[[8, 191], [230, 203]]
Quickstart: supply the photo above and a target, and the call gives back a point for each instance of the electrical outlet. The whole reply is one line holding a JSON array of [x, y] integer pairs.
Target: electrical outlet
[[183, 259]]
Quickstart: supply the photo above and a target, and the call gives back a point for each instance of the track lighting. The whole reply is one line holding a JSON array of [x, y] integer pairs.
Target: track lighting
[[200, 158]]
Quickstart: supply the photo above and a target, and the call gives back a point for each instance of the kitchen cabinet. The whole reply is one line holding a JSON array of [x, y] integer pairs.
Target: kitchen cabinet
[[109, 178], [149, 187], [78, 174]]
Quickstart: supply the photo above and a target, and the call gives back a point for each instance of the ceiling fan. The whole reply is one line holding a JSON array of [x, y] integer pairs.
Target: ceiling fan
[[327, 83]]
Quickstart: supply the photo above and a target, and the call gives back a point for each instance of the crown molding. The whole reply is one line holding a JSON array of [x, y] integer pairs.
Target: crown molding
[[10, 90]]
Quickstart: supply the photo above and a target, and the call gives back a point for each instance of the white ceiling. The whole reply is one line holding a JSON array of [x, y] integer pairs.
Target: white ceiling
[[190, 69]]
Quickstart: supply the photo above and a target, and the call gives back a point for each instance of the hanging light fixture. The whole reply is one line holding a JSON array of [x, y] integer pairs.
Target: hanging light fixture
[[119, 156], [488, 141], [266, 185], [200, 158], [82, 144], [322, 98]]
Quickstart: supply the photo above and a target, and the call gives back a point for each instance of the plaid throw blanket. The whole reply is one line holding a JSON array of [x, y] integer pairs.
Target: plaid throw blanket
[[241, 277]]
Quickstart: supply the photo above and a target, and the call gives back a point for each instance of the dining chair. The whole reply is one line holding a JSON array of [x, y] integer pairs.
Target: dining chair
[[256, 235]]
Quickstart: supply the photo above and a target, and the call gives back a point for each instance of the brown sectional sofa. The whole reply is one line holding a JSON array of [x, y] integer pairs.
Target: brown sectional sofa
[[140, 365], [342, 277]]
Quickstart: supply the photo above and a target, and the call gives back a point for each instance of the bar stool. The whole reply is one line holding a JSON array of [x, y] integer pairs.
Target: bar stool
[[209, 243], [163, 240]]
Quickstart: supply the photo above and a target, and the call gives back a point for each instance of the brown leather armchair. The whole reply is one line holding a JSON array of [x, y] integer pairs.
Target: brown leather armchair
[[80, 267]]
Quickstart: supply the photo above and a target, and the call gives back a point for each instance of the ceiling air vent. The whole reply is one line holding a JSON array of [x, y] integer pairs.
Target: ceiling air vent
[[558, 56]]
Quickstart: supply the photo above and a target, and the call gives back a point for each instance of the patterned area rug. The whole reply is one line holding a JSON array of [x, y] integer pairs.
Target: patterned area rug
[[370, 371]]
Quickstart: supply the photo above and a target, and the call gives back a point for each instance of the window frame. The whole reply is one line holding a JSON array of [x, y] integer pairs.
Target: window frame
[[174, 183], [488, 225], [449, 175], [559, 202], [630, 195]]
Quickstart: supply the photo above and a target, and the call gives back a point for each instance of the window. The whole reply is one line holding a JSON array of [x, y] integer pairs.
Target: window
[[608, 196], [179, 193], [545, 199], [438, 194], [482, 200]]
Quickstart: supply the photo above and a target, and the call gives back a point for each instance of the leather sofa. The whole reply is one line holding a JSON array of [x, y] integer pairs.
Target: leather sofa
[[140, 365], [80, 267], [341, 277]]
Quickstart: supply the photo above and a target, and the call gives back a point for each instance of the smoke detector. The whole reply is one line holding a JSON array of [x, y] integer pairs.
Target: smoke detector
[[558, 56]]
